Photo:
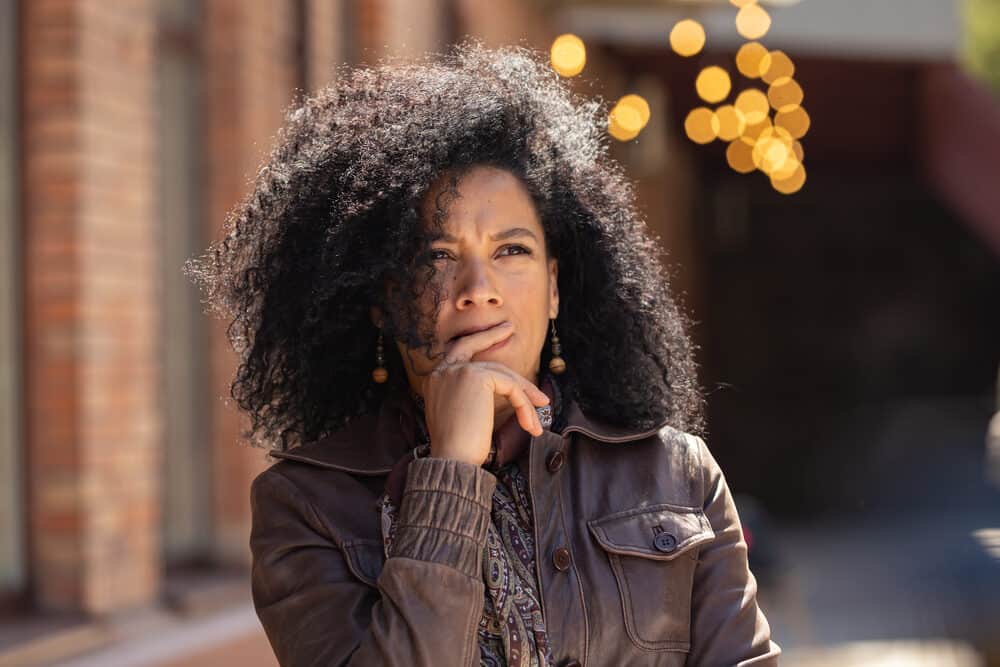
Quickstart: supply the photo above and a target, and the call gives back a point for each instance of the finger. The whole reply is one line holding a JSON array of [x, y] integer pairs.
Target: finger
[[536, 395], [464, 347], [505, 386]]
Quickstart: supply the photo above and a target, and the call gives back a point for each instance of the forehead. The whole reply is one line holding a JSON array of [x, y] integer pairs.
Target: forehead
[[486, 197]]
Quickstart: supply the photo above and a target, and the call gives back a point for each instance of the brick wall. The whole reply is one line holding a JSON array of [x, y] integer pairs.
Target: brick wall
[[91, 305], [250, 72]]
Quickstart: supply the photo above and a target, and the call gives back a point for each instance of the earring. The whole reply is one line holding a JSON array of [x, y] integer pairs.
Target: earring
[[380, 374], [556, 364]]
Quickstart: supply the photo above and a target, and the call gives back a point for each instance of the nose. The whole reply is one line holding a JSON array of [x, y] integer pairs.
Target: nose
[[476, 286]]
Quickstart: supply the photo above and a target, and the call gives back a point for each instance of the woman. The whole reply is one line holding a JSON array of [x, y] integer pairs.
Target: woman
[[456, 338]]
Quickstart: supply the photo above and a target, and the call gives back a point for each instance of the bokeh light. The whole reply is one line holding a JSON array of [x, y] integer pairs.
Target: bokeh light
[[752, 132], [732, 123], [624, 123], [713, 84], [753, 21], [796, 121], [773, 148], [785, 94], [754, 105], [749, 57], [639, 104], [701, 125], [628, 117], [754, 139], [739, 156], [568, 55], [687, 38], [776, 65], [792, 184]]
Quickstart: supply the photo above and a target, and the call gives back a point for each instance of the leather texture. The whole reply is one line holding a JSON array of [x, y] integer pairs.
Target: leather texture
[[640, 553]]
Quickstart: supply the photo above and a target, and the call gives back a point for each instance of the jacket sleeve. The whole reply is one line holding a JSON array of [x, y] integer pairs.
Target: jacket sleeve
[[727, 626], [430, 591]]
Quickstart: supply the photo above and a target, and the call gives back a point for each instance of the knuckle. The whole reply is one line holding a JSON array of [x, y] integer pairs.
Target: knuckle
[[465, 371]]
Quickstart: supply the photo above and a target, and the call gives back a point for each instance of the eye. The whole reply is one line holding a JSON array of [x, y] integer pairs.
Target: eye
[[515, 249], [439, 253]]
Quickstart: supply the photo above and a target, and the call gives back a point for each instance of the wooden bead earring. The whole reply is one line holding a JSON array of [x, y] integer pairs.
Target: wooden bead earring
[[380, 374], [556, 364]]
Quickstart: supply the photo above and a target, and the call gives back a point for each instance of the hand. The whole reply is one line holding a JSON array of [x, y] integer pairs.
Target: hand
[[460, 397]]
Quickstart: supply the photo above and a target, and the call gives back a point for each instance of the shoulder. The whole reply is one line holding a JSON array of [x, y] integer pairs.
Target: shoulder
[[335, 502], [665, 463], [684, 461]]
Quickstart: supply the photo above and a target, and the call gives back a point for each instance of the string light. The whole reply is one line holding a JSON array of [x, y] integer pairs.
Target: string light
[[739, 155], [754, 141], [701, 125], [753, 21], [785, 94], [713, 84], [796, 121], [792, 184], [732, 122], [568, 55], [748, 59], [687, 38], [776, 65], [754, 105]]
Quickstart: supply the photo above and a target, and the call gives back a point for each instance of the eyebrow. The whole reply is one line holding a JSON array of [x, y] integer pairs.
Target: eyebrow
[[500, 236]]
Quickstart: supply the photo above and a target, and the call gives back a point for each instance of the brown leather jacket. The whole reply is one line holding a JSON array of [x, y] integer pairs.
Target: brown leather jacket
[[640, 555]]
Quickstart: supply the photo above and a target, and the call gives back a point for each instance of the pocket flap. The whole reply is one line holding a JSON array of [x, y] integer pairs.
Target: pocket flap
[[660, 532]]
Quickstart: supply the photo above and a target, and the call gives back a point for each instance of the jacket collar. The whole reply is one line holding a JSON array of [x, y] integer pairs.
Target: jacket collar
[[384, 429]]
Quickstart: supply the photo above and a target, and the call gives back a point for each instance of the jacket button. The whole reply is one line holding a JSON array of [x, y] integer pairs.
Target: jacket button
[[556, 460], [665, 542], [561, 559]]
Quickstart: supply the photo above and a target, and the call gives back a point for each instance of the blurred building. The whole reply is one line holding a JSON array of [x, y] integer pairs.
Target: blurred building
[[836, 316]]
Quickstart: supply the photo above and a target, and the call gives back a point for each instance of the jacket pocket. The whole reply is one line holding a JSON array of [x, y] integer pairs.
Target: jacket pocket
[[653, 553], [365, 559]]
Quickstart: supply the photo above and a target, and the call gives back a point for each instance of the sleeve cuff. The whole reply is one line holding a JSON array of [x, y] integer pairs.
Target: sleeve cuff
[[444, 514]]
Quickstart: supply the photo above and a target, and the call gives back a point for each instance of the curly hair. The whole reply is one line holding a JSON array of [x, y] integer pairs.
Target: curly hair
[[334, 217]]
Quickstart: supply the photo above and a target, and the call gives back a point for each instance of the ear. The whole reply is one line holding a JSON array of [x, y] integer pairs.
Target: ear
[[553, 288]]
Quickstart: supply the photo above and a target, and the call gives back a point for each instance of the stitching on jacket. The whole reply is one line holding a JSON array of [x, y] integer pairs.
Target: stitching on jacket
[[300, 458], [349, 554], [471, 634], [437, 528], [682, 549], [648, 509], [655, 645], [317, 518], [475, 501], [701, 467]]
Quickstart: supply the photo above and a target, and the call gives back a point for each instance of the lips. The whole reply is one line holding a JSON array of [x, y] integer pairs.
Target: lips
[[472, 330]]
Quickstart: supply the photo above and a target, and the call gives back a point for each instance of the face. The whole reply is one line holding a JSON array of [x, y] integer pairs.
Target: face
[[491, 265]]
